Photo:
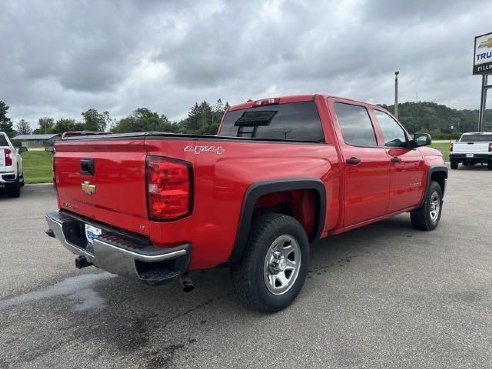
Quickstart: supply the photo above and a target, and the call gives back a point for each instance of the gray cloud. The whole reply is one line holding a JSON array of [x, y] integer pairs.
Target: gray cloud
[[60, 58]]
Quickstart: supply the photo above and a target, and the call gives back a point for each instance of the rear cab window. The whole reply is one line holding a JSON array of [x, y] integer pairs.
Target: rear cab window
[[476, 138], [298, 121], [3, 141]]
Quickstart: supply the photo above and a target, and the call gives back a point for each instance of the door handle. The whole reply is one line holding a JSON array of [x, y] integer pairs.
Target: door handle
[[353, 160], [395, 159]]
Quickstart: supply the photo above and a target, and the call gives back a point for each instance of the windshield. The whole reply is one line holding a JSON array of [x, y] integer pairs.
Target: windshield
[[287, 122]]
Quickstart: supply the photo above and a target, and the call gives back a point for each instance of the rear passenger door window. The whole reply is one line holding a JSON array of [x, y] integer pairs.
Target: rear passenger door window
[[356, 125], [394, 135]]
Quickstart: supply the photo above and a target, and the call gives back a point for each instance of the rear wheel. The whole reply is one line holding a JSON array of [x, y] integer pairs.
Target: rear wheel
[[274, 265], [454, 164], [489, 165], [427, 217], [13, 189]]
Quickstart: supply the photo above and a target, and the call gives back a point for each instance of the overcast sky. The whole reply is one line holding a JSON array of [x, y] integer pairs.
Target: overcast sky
[[59, 58]]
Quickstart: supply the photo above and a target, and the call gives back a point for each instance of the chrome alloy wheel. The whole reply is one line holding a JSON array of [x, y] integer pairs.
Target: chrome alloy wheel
[[282, 264], [435, 206]]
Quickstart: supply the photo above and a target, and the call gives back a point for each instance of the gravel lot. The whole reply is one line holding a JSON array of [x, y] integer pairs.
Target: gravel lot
[[385, 296]]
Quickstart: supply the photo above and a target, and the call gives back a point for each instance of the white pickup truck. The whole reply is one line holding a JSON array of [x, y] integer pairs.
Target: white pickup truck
[[472, 148], [11, 169]]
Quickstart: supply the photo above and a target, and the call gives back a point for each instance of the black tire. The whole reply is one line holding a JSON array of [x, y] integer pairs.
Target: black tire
[[250, 275], [489, 165], [21, 180], [13, 189], [454, 164], [425, 218]]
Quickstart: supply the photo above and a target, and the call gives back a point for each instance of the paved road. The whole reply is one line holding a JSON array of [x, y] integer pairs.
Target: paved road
[[385, 296]]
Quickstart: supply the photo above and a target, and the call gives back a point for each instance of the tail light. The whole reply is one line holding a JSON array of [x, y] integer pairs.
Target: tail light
[[8, 157], [450, 147], [53, 171], [490, 146], [168, 188]]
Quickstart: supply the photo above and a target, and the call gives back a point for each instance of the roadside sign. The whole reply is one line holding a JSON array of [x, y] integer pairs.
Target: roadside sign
[[482, 57]]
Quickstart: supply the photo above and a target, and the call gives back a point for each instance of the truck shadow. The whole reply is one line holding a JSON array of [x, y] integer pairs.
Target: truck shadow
[[29, 191], [156, 323]]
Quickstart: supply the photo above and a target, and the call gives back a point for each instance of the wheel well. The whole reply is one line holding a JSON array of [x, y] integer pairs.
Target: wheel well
[[301, 204], [302, 198], [440, 177]]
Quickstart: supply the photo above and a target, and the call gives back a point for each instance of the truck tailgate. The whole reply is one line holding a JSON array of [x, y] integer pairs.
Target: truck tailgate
[[96, 179], [471, 148]]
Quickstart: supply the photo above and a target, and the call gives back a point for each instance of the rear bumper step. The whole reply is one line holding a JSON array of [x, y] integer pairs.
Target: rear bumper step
[[474, 157], [119, 253]]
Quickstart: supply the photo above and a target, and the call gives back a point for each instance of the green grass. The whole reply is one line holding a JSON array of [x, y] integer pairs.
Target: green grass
[[37, 166], [442, 147]]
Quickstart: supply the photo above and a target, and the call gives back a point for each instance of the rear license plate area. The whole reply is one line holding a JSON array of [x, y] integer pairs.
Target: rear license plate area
[[91, 232]]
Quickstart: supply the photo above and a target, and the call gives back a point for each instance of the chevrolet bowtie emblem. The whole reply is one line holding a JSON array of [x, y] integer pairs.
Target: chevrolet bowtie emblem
[[487, 43], [88, 188]]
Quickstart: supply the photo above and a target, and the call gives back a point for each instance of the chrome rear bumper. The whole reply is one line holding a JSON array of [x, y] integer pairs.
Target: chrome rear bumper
[[118, 252]]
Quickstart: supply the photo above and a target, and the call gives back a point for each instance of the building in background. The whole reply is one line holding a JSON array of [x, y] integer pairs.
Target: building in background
[[35, 141]]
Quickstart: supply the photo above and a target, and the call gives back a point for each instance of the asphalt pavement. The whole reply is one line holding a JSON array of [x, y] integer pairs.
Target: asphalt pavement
[[384, 296]]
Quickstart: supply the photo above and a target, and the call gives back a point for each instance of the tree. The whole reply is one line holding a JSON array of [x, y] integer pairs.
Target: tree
[[79, 126], [64, 125], [94, 121], [199, 119], [204, 119], [110, 122], [45, 125], [5, 122], [23, 128], [143, 120]]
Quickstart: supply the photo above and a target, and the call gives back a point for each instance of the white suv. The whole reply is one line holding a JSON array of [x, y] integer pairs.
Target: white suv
[[11, 169]]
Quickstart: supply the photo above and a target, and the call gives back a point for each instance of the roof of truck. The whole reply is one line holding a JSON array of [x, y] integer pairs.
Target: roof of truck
[[292, 98]]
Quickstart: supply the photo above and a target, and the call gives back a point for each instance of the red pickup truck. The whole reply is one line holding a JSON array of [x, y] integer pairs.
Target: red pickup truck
[[280, 174]]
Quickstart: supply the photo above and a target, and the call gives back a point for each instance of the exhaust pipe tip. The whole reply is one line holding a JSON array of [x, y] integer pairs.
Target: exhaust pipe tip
[[186, 283]]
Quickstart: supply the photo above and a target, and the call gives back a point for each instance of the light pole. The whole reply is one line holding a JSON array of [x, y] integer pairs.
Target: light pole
[[396, 94]]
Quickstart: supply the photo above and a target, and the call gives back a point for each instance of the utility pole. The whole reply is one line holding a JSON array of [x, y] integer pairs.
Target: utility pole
[[396, 94]]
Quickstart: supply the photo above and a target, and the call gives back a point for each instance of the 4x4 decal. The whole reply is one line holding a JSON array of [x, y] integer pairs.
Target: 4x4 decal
[[199, 149]]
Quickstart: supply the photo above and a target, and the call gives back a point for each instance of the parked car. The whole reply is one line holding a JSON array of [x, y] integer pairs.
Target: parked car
[[11, 168], [280, 174], [472, 148]]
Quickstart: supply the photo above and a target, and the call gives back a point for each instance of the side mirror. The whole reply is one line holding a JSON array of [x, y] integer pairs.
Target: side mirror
[[421, 139], [21, 149]]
